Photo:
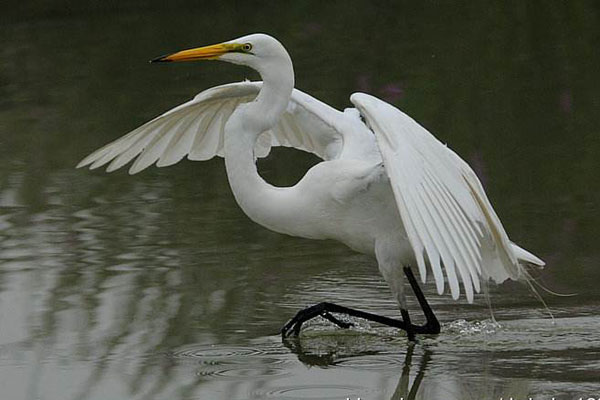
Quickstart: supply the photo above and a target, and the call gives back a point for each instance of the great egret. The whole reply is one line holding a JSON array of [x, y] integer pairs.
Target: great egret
[[385, 187]]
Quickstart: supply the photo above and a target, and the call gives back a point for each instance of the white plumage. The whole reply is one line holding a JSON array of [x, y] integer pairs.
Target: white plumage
[[386, 186]]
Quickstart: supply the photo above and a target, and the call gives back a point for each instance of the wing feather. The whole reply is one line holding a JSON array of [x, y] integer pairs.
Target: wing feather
[[450, 229], [205, 143], [180, 143], [443, 206], [130, 152], [153, 150], [196, 129], [454, 219], [465, 229], [451, 240], [437, 235]]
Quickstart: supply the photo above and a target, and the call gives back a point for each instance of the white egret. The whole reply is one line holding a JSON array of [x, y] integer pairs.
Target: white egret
[[386, 186]]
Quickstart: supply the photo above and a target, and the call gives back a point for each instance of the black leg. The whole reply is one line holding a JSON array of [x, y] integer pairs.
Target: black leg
[[324, 309], [431, 326], [409, 331], [331, 318]]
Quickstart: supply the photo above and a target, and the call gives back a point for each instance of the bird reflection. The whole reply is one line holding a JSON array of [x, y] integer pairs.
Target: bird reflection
[[404, 389]]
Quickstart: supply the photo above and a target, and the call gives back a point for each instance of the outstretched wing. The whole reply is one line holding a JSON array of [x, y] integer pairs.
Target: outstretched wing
[[443, 206], [196, 129]]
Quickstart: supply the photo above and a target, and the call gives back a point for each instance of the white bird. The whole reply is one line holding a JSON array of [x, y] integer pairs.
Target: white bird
[[386, 186]]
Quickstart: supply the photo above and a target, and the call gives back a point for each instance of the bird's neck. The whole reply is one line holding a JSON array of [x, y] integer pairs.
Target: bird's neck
[[265, 204], [274, 96]]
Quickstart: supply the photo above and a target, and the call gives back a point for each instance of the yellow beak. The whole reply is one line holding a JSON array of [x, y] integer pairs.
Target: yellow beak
[[201, 53]]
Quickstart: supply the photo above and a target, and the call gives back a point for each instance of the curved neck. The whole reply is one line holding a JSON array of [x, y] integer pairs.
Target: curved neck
[[263, 203], [274, 96]]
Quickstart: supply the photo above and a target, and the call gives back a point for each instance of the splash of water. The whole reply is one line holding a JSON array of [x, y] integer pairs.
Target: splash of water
[[464, 327]]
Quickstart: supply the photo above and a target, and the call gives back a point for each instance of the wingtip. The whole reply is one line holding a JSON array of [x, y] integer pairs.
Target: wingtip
[[138, 166], [439, 287], [86, 161], [470, 296]]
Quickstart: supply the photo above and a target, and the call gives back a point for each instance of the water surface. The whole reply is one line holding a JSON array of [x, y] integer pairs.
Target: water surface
[[158, 287]]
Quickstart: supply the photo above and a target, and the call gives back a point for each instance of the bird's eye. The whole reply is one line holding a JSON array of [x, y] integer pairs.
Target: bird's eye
[[247, 47]]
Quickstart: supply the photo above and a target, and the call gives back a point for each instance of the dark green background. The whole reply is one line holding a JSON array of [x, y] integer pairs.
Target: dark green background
[[96, 269]]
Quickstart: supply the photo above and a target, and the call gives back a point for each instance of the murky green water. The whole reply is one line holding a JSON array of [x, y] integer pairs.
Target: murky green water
[[158, 287]]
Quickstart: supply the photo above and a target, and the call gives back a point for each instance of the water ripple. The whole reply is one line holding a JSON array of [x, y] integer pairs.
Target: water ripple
[[215, 351], [321, 392], [237, 372], [373, 362], [233, 362]]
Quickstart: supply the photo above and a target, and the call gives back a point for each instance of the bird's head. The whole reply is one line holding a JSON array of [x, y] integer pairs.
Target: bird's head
[[253, 50]]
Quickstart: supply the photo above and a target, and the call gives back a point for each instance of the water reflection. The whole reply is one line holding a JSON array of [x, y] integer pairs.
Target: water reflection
[[340, 367], [119, 302], [128, 297], [405, 390], [158, 287]]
